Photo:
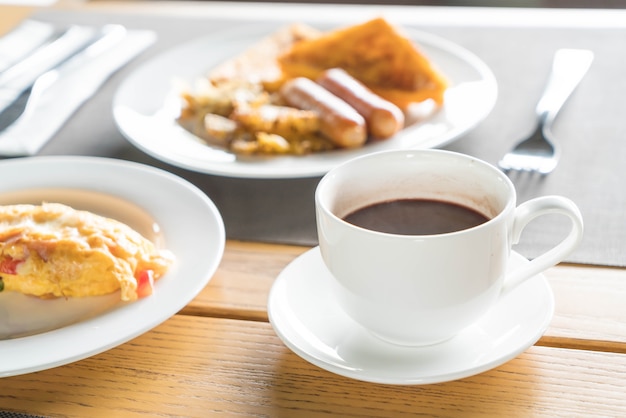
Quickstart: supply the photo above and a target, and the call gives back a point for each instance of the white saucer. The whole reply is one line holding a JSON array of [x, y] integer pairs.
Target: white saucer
[[306, 317]]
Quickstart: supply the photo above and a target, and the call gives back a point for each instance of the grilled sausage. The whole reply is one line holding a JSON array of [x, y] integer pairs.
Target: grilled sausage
[[339, 122], [383, 118]]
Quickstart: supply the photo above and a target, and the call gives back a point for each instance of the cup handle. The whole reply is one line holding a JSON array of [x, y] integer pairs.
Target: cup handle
[[528, 211]]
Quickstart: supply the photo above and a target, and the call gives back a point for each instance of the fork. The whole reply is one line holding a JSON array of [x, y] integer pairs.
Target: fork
[[539, 152]]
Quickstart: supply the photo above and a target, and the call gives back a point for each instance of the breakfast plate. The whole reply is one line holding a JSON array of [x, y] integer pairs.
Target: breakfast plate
[[37, 334], [145, 107], [307, 319]]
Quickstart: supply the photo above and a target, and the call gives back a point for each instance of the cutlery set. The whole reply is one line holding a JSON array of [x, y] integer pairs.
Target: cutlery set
[[539, 152], [40, 90]]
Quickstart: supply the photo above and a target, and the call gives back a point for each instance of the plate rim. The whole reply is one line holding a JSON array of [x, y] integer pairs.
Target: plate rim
[[275, 167], [162, 308]]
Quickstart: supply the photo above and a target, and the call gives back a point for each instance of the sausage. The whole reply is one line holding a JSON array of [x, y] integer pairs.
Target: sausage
[[339, 122], [383, 118]]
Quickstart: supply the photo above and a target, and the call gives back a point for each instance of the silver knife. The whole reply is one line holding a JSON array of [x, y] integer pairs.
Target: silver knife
[[21, 41], [19, 77], [58, 93]]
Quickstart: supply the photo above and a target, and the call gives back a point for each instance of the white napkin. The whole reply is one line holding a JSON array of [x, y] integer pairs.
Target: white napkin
[[68, 88]]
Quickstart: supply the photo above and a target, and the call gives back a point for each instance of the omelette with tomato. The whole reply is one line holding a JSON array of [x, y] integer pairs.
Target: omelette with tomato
[[52, 250]]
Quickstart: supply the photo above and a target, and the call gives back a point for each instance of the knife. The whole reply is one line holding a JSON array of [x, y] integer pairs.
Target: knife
[[58, 93], [21, 41], [19, 77]]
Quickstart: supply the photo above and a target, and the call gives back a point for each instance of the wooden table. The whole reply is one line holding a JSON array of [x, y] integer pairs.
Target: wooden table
[[220, 356]]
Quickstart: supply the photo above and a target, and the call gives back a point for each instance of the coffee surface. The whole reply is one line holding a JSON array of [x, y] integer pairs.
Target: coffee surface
[[416, 217]]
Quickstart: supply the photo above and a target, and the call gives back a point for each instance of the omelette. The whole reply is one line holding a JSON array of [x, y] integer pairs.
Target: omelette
[[52, 250]]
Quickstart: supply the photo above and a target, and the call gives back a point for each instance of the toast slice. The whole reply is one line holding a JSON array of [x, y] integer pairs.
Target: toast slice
[[374, 52]]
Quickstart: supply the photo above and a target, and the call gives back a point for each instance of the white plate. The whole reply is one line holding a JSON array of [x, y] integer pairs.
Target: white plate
[[39, 334], [145, 111], [305, 316]]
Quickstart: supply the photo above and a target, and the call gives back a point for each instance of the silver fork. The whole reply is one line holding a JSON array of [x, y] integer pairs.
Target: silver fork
[[539, 152]]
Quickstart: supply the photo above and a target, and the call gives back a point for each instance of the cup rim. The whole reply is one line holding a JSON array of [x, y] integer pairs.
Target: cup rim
[[510, 204]]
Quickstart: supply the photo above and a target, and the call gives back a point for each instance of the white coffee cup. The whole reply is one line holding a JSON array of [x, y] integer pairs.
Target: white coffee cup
[[424, 289]]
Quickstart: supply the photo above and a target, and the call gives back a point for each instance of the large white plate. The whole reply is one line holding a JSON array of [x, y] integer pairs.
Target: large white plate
[[39, 334], [145, 111]]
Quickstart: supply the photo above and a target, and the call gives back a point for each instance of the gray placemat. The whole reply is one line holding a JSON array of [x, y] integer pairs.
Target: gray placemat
[[9, 414], [591, 128]]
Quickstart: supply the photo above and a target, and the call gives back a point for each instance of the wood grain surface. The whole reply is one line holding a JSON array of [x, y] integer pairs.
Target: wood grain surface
[[196, 366], [589, 311], [11, 15]]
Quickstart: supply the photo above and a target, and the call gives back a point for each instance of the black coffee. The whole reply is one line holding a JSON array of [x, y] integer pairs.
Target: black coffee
[[416, 217]]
